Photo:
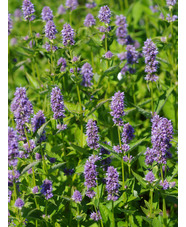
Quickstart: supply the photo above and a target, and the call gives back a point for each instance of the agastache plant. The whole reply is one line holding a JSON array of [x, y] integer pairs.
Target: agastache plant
[[47, 14], [28, 10]]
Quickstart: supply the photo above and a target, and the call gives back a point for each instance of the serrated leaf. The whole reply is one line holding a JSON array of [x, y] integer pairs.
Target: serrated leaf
[[40, 132], [104, 212], [30, 166], [57, 166], [32, 80], [79, 149], [136, 144], [109, 148], [163, 99], [140, 179], [114, 70]]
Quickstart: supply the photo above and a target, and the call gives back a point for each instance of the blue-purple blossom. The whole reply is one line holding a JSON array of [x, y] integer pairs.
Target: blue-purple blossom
[[75, 59], [71, 4], [47, 189], [127, 134], [150, 51], [124, 148], [13, 41], [10, 23], [29, 146], [35, 190], [90, 175], [117, 107], [87, 75], [19, 203], [132, 54], [61, 127], [112, 183], [164, 184], [150, 177], [95, 216], [38, 156], [90, 5], [92, 134], [13, 176], [89, 20], [62, 62], [13, 149], [52, 160], [108, 55], [61, 10], [9, 195], [50, 30], [37, 121], [127, 159], [47, 46], [104, 14], [28, 10], [68, 35], [68, 171], [18, 14], [22, 109], [171, 19], [121, 31], [154, 8], [57, 103], [171, 2], [149, 159], [47, 13], [77, 197]]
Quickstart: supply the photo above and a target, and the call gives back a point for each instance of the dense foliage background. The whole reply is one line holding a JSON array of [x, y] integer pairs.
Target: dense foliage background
[[30, 66]]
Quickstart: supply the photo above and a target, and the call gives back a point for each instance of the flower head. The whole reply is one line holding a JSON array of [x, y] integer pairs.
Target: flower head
[[50, 30], [86, 72], [117, 107], [47, 189], [61, 10], [95, 216], [28, 10], [108, 55], [92, 134], [77, 197], [106, 161], [13, 149], [164, 184], [121, 31], [57, 103], [124, 148], [47, 13], [112, 183], [71, 4], [104, 14], [10, 23], [150, 51], [90, 5], [22, 109], [19, 203], [171, 2], [89, 20], [68, 35], [150, 177], [128, 133], [63, 64], [35, 190]]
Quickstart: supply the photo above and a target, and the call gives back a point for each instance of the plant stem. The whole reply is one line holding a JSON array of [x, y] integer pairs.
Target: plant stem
[[122, 163], [164, 204], [70, 18], [151, 201], [126, 4], [106, 49], [152, 101], [92, 58], [79, 97], [113, 213], [121, 4]]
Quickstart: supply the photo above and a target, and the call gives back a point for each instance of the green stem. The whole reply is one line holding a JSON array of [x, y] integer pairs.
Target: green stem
[[92, 58], [152, 101], [126, 4], [113, 213], [78, 214], [151, 201], [51, 60], [133, 88], [129, 164], [122, 163], [79, 98], [121, 4], [164, 204], [106, 49], [30, 28], [70, 18]]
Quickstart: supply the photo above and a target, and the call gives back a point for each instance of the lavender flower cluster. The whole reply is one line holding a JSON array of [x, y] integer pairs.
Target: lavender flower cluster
[[104, 14], [92, 134], [46, 189], [63, 64], [150, 51], [47, 14], [89, 20], [10, 23], [121, 31], [87, 74], [68, 35], [28, 10], [71, 4], [57, 103], [22, 109], [50, 30], [13, 149]]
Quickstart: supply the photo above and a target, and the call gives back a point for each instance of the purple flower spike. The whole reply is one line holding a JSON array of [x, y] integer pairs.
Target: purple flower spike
[[150, 51], [150, 177], [112, 184], [37, 121], [164, 184], [90, 175], [68, 35], [47, 189], [28, 10], [38, 156], [19, 203], [89, 20], [95, 216], [47, 14], [121, 31], [29, 147], [22, 109], [104, 14], [63, 64], [90, 5], [71, 4], [117, 107], [124, 148], [128, 133], [35, 190], [171, 2], [10, 23], [77, 197], [87, 74], [57, 103], [50, 30], [92, 134], [108, 55], [13, 149], [61, 10], [149, 156]]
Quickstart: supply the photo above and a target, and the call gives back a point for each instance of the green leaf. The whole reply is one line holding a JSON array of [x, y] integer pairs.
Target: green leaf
[[40, 132], [144, 112], [140, 179], [114, 70], [104, 212], [32, 81], [98, 106], [163, 99], [30, 166], [80, 150], [35, 213], [127, 211], [109, 148], [136, 144], [57, 166]]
